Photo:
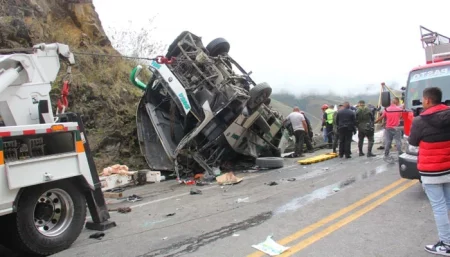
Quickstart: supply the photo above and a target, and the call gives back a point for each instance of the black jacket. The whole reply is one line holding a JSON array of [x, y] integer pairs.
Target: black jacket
[[345, 118]]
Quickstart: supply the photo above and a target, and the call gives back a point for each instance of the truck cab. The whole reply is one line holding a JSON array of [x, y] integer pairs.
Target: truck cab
[[435, 73]]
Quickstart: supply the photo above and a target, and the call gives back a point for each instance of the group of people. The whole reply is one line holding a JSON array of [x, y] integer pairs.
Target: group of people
[[341, 125]]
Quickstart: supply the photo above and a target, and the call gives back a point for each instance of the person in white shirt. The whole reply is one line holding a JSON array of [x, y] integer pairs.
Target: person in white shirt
[[300, 127]]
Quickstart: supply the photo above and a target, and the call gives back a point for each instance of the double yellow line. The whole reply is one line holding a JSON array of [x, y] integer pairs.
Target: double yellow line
[[321, 234]]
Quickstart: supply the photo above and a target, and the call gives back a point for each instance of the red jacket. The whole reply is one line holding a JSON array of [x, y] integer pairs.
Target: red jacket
[[431, 132]]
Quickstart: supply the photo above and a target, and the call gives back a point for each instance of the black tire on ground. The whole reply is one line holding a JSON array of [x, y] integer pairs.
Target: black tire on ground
[[218, 46], [269, 162], [259, 94], [25, 236]]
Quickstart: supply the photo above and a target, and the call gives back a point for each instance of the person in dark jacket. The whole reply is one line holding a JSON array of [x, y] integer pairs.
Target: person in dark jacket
[[345, 120], [335, 130], [430, 131], [365, 123], [309, 136]]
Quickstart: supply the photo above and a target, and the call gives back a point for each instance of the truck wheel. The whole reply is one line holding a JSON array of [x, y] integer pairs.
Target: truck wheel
[[269, 162], [218, 46], [259, 94], [49, 218]]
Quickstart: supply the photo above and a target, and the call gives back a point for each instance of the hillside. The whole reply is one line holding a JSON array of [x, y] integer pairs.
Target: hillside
[[100, 91]]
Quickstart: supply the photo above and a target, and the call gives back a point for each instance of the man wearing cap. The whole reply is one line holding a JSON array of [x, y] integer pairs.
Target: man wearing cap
[[365, 124]]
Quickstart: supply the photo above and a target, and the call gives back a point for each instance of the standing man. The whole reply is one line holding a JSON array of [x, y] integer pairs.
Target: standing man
[[345, 120], [309, 134], [335, 128], [365, 123], [431, 132], [328, 121], [392, 114], [300, 130], [323, 129]]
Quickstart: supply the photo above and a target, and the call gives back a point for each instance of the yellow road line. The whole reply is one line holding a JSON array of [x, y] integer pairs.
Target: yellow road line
[[332, 217], [319, 235]]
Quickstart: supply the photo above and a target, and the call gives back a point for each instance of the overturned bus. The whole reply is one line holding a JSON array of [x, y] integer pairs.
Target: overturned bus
[[201, 108]]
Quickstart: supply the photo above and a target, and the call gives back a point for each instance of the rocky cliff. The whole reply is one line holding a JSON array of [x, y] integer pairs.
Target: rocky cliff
[[100, 89]]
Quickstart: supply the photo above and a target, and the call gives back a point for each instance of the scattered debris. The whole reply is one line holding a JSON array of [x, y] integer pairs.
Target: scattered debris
[[170, 214], [235, 235], [336, 189], [195, 191], [270, 247], [98, 235], [122, 209], [164, 238], [291, 179], [273, 183], [326, 168], [116, 169], [228, 178], [134, 198], [242, 200]]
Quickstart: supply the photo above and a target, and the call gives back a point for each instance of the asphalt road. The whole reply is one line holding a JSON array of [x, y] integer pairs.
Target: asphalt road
[[355, 207]]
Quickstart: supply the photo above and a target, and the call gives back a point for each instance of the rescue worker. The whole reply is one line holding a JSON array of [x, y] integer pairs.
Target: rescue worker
[[365, 124], [328, 122], [323, 129], [335, 129], [346, 122], [392, 114], [431, 131], [300, 130]]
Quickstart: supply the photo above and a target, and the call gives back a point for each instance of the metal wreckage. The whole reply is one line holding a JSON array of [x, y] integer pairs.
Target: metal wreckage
[[201, 109]]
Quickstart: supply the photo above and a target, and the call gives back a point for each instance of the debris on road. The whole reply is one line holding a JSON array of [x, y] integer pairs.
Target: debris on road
[[170, 214], [98, 235], [121, 209], [236, 235], [165, 238], [242, 200], [291, 179], [195, 191], [116, 169], [318, 158], [336, 189], [273, 183], [270, 247], [228, 179], [134, 198]]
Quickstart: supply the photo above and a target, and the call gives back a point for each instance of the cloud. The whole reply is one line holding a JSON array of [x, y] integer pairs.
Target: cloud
[[299, 45]]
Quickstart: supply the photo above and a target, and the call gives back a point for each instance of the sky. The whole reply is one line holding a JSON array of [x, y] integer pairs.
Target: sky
[[345, 46]]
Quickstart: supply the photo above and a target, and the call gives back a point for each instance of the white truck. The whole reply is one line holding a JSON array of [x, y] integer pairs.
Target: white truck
[[47, 174]]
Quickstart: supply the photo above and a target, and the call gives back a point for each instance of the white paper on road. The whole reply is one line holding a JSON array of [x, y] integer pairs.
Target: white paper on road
[[270, 247]]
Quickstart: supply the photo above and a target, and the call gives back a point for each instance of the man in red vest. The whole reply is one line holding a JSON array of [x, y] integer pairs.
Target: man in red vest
[[431, 132]]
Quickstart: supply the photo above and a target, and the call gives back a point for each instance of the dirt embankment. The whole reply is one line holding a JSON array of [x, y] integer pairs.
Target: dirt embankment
[[100, 88]]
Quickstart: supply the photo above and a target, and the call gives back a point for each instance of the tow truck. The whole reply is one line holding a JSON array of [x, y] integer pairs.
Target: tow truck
[[435, 73], [48, 177]]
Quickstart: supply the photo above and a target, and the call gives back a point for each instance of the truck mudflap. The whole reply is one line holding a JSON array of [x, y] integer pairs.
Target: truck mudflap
[[94, 198], [408, 166]]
